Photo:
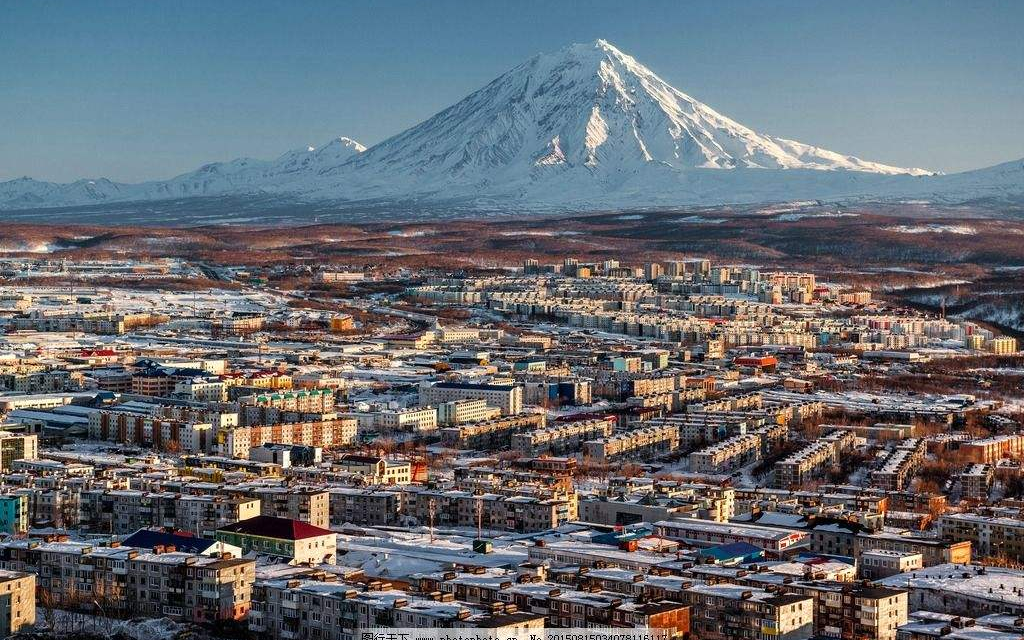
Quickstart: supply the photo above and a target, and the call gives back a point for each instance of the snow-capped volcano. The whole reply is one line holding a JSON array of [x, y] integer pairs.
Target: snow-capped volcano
[[586, 127], [589, 105]]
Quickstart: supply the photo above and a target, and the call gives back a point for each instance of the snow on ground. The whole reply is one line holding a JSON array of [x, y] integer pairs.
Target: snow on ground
[[42, 247], [958, 229], [547, 234], [401, 553], [793, 217], [62, 622], [700, 220]]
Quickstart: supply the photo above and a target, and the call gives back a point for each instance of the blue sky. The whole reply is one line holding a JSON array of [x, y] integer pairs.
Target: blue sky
[[139, 90]]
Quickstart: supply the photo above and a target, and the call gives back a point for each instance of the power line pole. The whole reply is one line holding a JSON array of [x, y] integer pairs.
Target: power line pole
[[432, 508], [479, 517]]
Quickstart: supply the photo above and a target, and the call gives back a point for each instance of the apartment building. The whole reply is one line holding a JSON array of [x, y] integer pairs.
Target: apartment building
[[271, 408], [519, 513], [508, 398], [128, 582], [307, 504], [365, 507], [644, 443], [705, 502], [99, 322], [15, 446], [218, 418], [900, 466], [976, 481], [17, 602], [933, 551], [203, 515], [151, 431], [375, 470], [333, 610], [562, 438], [45, 381], [991, 450], [728, 455], [125, 511], [490, 434], [456, 412], [989, 536], [326, 434], [1002, 346], [813, 460], [876, 564], [415, 419], [960, 590], [14, 510], [851, 611], [727, 611]]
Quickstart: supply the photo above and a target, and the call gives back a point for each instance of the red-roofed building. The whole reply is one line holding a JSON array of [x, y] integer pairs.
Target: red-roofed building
[[766, 363], [297, 541]]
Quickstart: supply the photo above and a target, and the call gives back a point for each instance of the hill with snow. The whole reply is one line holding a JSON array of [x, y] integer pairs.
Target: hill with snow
[[587, 127]]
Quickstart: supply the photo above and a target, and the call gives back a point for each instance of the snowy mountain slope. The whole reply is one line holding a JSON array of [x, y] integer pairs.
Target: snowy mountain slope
[[587, 127], [239, 176], [587, 116]]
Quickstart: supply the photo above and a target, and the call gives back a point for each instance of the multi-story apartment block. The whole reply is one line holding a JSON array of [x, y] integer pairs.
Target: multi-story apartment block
[[456, 412], [519, 513], [416, 419], [642, 443], [991, 450], [933, 551], [813, 460], [285, 406], [508, 398], [976, 481], [900, 466], [850, 611], [728, 455], [727, 611], [375, 470], [990, 536], [560, 438], [706, 502], [17, 602], [308, 504], [959, 590], [127, 582], [151, 431], [365, 507], [14, 510], [239, 441], [329, 610], [203, 515], [490, 434], [1001, 346], [877, 563], [17, 447], [125, 511]]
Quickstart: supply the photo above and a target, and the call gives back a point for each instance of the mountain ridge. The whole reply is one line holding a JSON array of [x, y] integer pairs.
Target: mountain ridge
[[587, 127]]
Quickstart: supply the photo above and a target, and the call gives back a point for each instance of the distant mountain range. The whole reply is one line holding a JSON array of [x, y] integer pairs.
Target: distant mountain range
[[585, 128]]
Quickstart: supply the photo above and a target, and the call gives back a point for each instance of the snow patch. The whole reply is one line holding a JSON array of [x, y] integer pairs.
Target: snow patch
[[958, 229]]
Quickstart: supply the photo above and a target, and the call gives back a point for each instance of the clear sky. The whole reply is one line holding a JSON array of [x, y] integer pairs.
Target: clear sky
[[146, 89]]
